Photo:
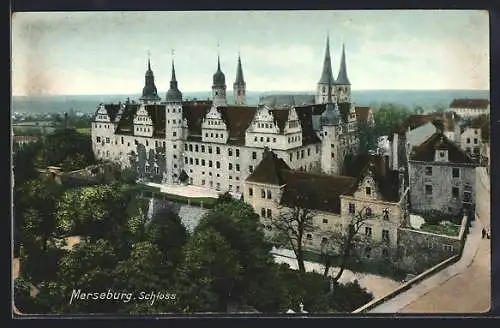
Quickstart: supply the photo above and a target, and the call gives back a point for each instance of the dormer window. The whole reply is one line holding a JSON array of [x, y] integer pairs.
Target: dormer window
[[368, 191], [441, 154]]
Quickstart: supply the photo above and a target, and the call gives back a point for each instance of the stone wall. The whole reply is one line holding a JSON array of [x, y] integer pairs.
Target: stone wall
[[419, 250]]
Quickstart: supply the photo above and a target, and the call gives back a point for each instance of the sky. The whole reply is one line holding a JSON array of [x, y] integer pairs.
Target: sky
[[77, 53]]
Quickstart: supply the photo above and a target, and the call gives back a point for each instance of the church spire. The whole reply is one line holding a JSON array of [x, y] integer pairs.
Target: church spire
[[239, 73], [342, 77], [327, 75]]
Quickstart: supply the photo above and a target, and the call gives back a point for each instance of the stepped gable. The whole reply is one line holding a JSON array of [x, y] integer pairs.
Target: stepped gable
[[270, 170], [126, 123], [426, 151], [387, 180], [315, 191]]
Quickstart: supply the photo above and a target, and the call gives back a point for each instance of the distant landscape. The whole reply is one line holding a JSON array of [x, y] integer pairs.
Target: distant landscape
[[427, 99]]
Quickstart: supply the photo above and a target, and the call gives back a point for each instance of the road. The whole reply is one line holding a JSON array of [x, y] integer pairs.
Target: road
[[464, 287]]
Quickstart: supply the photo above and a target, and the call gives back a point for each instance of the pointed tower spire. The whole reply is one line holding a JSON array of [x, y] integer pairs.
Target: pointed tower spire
[[327, 75], [239, 73], [342, 77], [173, 94]]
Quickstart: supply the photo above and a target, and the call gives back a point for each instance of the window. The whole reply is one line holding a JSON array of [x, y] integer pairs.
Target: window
[[203, 162], [475, 141], [368, 211], [456, 172], [441, 154], [191, 160], [448, 248], [254, 155], [269, 213], [197, 161], [209, 149], [269, 227], [230, 166], [385, 235], [428, 170], [230, 187], [352, 208], [262, 193], [454, 192], [196, 148], [230, 152], [237, 153], [428, 189], [190, 147], [217, 150], [274, 139], [250, 191], [107, 140], [261, 139], [174, 134], [325, 221], [263, 212], [368, 190], [217, 164], [368, 231], [230, 177], [385, 213], [250, 168], [291, 157], [324, 240], [333, 155], [238, 167], [302, 153], [209, 163], [185, 147], [269, 194], [202, 182], [309, 236], [98, 139], [185, 160]]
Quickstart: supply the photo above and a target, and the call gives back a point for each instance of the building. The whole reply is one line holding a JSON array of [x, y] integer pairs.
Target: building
[[365, 115], [217, 145], [442, 176], [21, 141], [475, 138], [369, 186], [470, 107]]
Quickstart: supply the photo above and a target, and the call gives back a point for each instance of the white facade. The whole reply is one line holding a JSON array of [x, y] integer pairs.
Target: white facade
[[470, 112]]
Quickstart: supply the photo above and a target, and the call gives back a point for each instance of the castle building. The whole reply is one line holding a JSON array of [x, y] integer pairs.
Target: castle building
[[217, 145]]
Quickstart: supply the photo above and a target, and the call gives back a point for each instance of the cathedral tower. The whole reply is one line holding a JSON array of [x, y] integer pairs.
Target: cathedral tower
[[342, 85], [219, 87], [239, 86], [331, 130], [326, 81]]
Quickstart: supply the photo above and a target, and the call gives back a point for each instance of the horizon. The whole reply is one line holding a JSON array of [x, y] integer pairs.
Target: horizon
[[385, 50]]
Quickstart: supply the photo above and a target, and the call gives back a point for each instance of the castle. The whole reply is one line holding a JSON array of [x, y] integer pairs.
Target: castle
[[217, 145]]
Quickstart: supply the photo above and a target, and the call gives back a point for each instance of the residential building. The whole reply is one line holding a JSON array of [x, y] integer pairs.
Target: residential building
[[442, 176], [468, 107]]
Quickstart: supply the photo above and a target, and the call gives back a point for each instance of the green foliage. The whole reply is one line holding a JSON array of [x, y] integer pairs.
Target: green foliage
[[389, 118], [24, 162], [23, 300], [67, 147], [224, 198], [434, 217], [209, 273], [128, 176], [167, 232], [449, 229], [367, 137], [348, 297]]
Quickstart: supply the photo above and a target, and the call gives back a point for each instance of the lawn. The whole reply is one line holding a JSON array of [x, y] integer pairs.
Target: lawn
[[449, 230], [83, 131]]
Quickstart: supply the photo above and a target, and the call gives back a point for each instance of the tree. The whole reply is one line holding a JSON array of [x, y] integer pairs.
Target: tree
[[87, 268], [292, 223], [167, 232], [418, 110], [68, 147], [209, 272], [389, 118], [24, 162], [342, 243], [367, 137], [240, 226]]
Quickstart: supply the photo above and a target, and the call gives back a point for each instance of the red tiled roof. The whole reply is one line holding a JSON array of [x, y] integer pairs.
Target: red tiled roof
[[362, 113], [470, 103], [426, 151], [237, 119]]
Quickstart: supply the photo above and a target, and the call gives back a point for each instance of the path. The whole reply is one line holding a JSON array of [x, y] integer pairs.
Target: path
[[185, 190], [377, 285], [464, 287]]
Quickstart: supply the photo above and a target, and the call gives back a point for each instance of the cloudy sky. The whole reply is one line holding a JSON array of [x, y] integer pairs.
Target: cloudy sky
[[106, 52]]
